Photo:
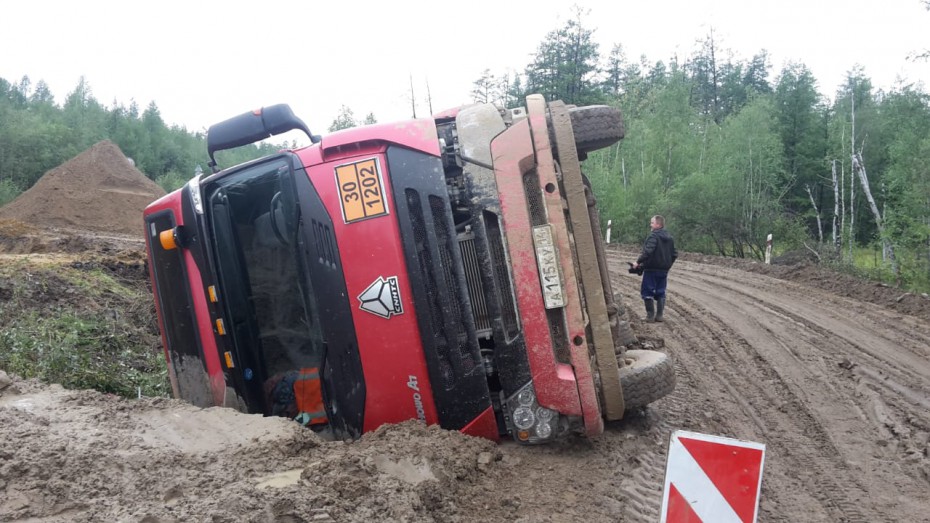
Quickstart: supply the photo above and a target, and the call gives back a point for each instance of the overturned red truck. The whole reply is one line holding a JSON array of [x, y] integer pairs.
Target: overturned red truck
[[447, 269]]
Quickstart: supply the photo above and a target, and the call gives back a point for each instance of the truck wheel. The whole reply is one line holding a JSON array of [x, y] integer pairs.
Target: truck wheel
[[646, 376], [596, 127]]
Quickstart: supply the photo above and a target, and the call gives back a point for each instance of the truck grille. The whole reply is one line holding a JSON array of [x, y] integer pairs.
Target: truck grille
[[438, 286], [501, 275], [445, 244], [479, 304], [447, 332]]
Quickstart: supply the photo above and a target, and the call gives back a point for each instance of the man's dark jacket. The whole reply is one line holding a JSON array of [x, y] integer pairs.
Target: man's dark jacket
[[658, 252]]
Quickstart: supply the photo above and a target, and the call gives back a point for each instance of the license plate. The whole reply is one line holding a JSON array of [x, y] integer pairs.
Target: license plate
[[550, 275]]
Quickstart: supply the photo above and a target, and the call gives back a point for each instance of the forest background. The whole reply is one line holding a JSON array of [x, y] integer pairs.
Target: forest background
[[727, 149]]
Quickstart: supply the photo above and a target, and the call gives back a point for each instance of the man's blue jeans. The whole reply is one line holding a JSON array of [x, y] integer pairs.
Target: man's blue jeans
[[654, 283]]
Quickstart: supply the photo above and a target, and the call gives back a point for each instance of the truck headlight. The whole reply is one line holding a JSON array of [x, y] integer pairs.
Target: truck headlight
[[543, 429], [544, 414], [523, 418], [530, 422]]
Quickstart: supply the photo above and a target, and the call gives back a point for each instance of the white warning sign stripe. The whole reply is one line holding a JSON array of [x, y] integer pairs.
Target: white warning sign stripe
[[712, 479], [695, 487]]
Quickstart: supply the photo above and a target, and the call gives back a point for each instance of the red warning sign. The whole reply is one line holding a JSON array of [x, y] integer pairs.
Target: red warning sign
[[712, 479]]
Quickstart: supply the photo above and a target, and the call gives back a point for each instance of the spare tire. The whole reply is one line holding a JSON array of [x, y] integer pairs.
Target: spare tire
[[596, 127], [646, 376]]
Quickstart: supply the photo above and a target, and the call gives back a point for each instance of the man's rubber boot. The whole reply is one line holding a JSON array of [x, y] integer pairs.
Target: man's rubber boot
[[660, 308], [650, 311]]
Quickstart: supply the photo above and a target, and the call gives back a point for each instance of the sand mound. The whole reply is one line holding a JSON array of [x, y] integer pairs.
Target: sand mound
[[97, 190]]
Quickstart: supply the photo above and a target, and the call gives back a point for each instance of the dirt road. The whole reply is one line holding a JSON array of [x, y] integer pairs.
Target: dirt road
[[838, 389]]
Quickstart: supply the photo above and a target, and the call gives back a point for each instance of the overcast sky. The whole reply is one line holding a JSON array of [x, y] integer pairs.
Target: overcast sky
[[204, 61]]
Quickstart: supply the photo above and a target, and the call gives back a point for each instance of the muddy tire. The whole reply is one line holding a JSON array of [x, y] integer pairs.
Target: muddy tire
[[645, 377], [596, 127]]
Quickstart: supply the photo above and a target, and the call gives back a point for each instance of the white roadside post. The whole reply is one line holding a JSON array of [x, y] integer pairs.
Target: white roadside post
[[711, 479], [607, 240], [768, 250]]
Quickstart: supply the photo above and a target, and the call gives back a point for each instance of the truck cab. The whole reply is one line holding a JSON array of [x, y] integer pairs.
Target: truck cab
[[446, 269]]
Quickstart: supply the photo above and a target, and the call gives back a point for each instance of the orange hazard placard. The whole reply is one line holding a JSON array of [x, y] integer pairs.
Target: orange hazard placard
[[361, 190]]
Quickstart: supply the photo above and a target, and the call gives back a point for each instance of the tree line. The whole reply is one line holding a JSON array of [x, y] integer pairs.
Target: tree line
[[37, 134], [729, 153], [727, 150]]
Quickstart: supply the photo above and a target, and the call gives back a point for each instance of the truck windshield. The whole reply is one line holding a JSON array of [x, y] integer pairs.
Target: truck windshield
[[269, 306]]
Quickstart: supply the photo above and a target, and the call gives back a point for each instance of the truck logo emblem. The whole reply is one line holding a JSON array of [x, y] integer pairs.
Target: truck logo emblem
[[382, 298]]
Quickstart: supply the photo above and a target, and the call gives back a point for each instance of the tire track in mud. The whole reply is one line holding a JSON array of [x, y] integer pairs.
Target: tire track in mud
[[775, 416], [861, 333], [688, 408], [759, 387], [896, 367], [875, 355], [860, 378], [641, 491], [880, 374]]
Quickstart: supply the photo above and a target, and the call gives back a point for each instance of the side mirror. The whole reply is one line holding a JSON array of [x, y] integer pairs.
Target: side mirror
[[254, 126]]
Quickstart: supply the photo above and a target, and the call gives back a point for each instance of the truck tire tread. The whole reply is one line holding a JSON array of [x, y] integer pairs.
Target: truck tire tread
[[596, 127], [648, 376]]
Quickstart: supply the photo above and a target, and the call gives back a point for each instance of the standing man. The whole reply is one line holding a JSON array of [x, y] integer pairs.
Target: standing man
[[657, 258]]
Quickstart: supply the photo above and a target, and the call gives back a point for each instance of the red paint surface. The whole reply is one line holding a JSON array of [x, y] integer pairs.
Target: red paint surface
[[555, 384], [581, 362], [734, 470], [679, 510], [211, 357], [390, 349], [484, 426], [413, 134], [168, 201]]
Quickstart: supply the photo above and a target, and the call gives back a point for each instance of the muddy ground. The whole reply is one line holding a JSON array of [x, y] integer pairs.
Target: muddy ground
[[836, 383]]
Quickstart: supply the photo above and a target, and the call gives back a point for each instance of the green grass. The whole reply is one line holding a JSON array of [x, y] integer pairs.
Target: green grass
[[97, 283], [867, 263], [82, 352], [84, 328]]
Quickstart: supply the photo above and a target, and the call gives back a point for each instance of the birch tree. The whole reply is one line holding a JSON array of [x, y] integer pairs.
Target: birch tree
[[906, 180], [817, 214], [852, 214], [837, 235], [858, 166]]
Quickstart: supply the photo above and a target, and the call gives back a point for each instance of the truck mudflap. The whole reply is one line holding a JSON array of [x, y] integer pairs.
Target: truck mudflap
[[595, 299]]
